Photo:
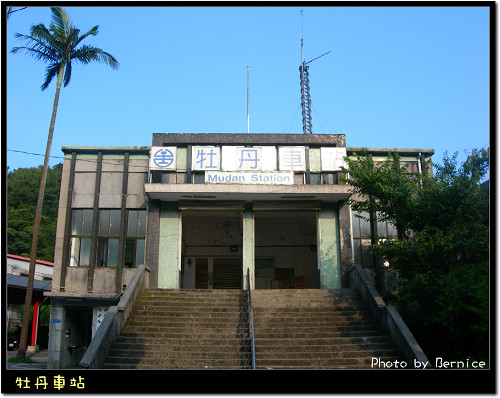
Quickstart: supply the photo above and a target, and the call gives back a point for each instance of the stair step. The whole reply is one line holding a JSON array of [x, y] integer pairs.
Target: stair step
[[296, 334], [337, 363], [167, 363], [208, 340], [196, 334], [328, 354], [310, 340], [164, 346], [186, 354], [196, 366]]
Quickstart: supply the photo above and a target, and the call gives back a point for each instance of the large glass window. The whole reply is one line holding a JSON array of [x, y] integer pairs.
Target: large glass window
[[81, 230], [361, 238], [361, 235], [136, 232], [108, 238]]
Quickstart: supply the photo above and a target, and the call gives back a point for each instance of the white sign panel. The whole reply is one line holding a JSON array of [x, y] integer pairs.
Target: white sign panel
[[292, 158], [249, 177], [249, 159], [162, 158], [269, 158], [332, 158], [205, 158], [229, 158], [243, 158]]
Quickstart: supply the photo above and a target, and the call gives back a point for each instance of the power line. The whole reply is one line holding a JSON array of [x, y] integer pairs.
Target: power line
[[62, 157]]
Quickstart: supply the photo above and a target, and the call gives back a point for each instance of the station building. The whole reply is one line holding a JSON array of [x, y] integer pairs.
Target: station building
[[199, 211]]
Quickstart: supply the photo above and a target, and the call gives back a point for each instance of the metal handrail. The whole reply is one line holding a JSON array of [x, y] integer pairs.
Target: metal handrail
[[250, 319]]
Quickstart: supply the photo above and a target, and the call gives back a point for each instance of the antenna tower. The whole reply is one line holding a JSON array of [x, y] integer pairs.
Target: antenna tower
[[305, 91]]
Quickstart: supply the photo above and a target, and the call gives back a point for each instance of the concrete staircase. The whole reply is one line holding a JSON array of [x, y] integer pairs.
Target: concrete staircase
[[184, 329], [316, 329], [208, 329]]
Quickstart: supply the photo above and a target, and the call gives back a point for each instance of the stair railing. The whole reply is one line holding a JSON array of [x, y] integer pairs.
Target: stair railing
[[114, 320], [386, 316], [250, 319]]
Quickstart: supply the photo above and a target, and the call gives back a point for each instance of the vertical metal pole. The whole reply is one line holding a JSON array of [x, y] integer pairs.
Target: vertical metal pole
[[248, 99], [34, 328]]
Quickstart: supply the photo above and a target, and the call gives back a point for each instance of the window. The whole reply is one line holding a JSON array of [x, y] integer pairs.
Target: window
[[81, 230], [136, 232], [108, 238], [361, 235], [361, 238]]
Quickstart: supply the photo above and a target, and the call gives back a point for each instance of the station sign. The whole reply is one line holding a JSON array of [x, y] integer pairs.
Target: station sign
[[163, 158], [249, 177], [247, 165]]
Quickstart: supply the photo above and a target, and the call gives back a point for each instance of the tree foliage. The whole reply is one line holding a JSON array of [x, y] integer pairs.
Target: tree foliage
[[442, 256], [22, 193]]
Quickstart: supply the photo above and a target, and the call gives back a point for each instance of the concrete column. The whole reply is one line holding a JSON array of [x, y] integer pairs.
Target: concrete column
[[329, 247], [170, 239], [56, 334], [346, 251], [249, 245]]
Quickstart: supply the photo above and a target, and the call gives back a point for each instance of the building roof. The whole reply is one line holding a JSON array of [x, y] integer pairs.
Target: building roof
[[22, 282], [159, 139], [28, 260], [385, 151], [105, 149], [16, 289]]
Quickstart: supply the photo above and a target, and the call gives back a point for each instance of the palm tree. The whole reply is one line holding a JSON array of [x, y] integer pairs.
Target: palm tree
[[57, 46]]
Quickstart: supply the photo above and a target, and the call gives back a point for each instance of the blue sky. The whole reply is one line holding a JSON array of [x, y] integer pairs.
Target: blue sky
[[398, 77]]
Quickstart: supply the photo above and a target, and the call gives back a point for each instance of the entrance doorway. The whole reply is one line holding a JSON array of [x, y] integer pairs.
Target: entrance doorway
[[285, 250], [212, 249], [217, 273]]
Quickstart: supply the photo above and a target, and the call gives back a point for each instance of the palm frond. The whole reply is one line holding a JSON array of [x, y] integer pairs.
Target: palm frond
[[39, 54], [94, 31], [87, 54], [67, 74], [43, 38], [60, 25], [51, 71], [41, 32]]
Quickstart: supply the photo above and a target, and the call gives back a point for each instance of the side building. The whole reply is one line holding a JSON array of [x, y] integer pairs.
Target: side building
[[200, 211]]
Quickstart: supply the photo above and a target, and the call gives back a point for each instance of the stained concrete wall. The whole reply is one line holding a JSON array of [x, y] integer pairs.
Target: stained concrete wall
[[329, 247], [248, 246], [169, 246]]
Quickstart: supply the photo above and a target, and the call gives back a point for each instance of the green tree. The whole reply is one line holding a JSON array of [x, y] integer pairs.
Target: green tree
[[442, 256], [59, 46], [22, 185]]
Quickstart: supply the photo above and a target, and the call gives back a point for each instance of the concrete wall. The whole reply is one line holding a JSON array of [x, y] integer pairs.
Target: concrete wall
[[249, 247], [169, 246], [329, 247]]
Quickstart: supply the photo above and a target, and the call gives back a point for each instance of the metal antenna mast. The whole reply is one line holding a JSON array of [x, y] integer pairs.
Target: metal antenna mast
[[305, 92]]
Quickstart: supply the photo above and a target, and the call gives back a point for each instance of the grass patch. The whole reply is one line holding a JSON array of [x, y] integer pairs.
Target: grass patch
[[16, 359]]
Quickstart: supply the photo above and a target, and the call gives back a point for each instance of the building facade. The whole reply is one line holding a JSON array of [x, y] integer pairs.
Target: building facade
[[202, 211]]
